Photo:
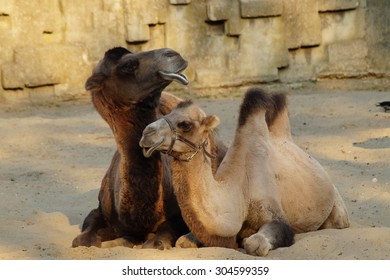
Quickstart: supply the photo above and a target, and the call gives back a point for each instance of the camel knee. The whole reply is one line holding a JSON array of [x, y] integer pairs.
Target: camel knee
[[270, 236], [338, 218]]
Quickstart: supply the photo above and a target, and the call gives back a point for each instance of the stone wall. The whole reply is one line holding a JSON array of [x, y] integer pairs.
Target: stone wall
[[48, 47]]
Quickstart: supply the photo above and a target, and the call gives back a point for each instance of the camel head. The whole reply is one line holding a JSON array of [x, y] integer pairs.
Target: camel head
[[184, 131], [125, 78]]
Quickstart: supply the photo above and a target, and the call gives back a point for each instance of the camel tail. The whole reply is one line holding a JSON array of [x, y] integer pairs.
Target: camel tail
[[255, 100]]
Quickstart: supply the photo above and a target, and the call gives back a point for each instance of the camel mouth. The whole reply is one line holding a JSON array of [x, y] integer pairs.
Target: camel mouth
[[148, 151], [179, 77]]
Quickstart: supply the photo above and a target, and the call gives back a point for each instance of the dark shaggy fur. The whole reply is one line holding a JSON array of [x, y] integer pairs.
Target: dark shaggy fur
[[136, 196]]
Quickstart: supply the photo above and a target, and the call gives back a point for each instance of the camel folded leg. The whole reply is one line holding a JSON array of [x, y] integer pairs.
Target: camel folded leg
[[121, 241], [338, 218], [94, 231], [270, 236]]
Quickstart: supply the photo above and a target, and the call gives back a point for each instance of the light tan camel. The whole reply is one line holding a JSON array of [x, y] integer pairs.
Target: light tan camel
[[265, 190]]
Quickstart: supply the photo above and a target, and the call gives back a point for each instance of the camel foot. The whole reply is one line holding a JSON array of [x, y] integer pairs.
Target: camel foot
[[337, 221], [121, 241], [157, 243], [257, 245], [86, 239], [188, 241], [270, 236]]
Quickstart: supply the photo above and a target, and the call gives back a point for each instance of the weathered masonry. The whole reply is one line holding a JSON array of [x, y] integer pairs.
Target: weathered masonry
[[49, 47]]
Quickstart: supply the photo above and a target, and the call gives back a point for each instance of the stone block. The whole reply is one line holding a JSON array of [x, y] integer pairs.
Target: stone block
[[52, 64], [337, 5], [233, 24], [302, 23], [41, 95], [162, 11], [217, 10], [378, 34], [12, 76], [137, 33], [347, 51], [262, 50], [157, 37], [347, 59], [139, 15], [261, 8], [180, 2], [50, 17], [37, 68], [300, 66], [5, 22], [6, 7], [344, 26], [310, 24], [16, 97]]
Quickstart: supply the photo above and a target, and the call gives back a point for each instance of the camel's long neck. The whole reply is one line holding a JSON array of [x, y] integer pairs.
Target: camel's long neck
[[140, 178], [210, 208], [218, 204], [127, 125]]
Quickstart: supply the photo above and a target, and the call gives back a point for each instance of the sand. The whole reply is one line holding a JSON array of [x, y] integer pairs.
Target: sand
[[53, 156]]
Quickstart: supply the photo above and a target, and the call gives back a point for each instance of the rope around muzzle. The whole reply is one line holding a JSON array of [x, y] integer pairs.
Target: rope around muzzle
[[195, 148]]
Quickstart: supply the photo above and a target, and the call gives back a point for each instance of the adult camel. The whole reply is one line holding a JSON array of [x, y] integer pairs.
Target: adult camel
[[265, 190], [136, 201]]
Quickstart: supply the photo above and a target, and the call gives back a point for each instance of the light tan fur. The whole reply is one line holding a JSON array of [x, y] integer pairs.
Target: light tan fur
[[264, 177]]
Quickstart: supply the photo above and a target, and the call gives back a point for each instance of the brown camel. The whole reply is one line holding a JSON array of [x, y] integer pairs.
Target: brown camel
[[264, 191], [136, 200]]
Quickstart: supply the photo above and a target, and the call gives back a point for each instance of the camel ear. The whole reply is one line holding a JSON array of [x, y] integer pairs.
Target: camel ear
[[210, 122]]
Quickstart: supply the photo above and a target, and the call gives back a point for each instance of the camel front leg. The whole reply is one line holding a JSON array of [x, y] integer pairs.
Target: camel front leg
[[270, 236], [94, 231], [338, 218]]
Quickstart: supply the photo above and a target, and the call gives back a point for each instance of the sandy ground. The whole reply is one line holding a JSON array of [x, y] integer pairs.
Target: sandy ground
[[53, 156]]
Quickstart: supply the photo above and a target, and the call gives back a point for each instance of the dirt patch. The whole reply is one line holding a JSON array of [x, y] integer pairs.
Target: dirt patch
[[53, 157]]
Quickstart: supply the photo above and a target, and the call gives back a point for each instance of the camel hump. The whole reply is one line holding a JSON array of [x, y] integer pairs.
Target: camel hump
[[255, 100], [185, 104], [280, 103]]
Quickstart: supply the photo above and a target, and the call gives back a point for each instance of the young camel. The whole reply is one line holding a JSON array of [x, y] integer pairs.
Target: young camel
[[265, 190]]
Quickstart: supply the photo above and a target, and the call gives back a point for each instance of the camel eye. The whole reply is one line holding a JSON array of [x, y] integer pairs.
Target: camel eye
[[185, 126], [128, 67]]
